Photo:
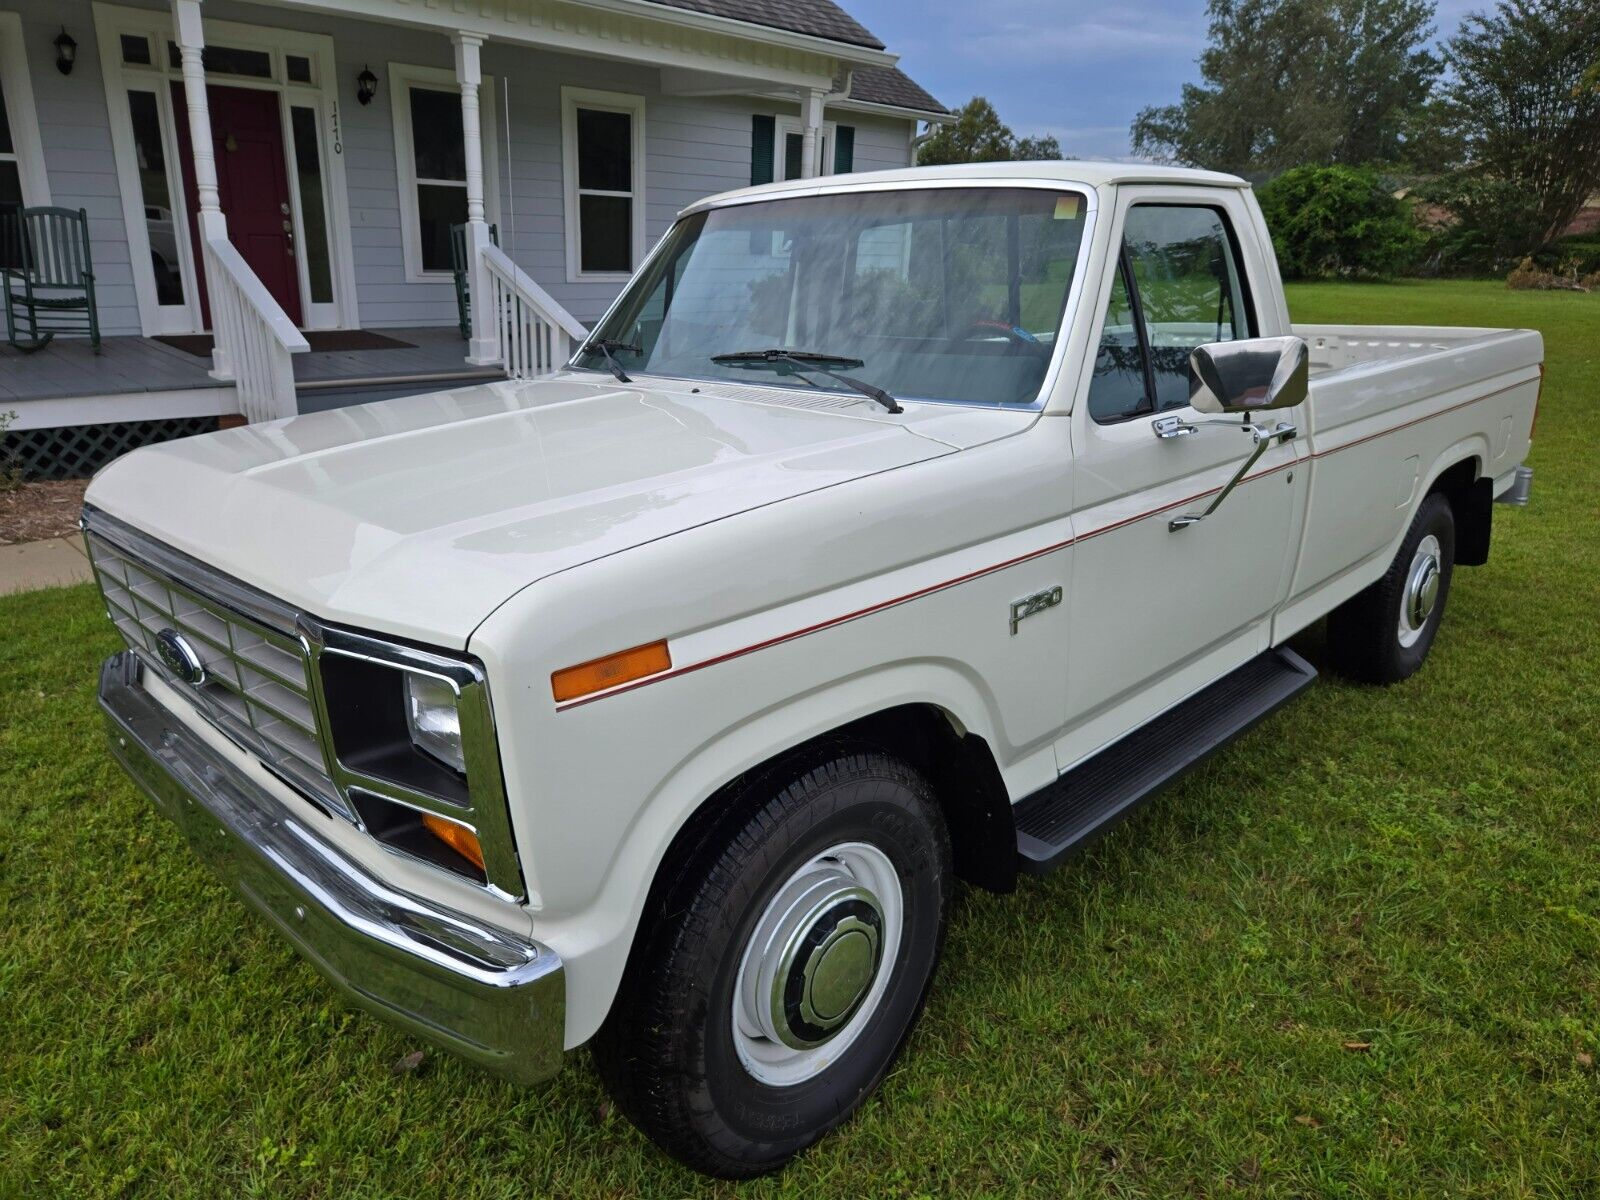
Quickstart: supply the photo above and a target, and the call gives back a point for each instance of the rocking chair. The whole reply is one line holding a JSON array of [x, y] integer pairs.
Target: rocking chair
[[47, 276], [458, 272]]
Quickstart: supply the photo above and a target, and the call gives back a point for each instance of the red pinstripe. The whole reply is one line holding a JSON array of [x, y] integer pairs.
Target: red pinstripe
[[883, 605]]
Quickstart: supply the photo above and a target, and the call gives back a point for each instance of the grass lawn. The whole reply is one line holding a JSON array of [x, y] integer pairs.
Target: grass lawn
[[1356, 955]]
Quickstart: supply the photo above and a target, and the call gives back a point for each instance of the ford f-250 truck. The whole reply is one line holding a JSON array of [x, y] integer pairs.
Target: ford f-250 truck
[[890, 529]]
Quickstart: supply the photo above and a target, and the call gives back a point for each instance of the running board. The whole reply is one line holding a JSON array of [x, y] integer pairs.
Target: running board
[[1100, 792]]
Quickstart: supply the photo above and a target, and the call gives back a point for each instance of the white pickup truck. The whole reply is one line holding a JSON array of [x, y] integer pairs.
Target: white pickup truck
[[890, 529]]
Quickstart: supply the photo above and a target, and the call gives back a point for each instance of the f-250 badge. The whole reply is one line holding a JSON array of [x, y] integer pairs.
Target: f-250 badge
[[1029, 606]]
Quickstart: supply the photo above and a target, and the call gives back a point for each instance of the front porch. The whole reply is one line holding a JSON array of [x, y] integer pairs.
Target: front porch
[[72, 405], [275, 173]]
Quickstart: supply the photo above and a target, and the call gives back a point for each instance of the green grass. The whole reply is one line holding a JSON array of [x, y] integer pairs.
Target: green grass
[[1414, 868]]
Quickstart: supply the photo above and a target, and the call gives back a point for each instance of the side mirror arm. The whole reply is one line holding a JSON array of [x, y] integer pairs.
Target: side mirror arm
[[1263, 438]]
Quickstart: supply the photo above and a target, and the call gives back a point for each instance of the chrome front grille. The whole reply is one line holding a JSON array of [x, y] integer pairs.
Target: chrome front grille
[[255, 688]]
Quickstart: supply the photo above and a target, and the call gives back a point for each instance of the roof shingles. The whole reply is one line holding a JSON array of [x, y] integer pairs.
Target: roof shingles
[[824, 19], [816, 18]]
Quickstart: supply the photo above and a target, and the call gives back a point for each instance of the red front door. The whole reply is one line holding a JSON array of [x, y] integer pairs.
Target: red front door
[[253, 179]]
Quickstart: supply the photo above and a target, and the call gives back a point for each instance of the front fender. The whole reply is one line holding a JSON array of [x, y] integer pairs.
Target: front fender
[[595, 937]]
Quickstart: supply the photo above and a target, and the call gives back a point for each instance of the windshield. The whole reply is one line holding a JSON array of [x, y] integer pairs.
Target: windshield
[[941, 293]]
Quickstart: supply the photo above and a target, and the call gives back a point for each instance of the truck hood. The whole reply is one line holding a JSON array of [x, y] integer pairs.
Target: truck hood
[[419, 516]]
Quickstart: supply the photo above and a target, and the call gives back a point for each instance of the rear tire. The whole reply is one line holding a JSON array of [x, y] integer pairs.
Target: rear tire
[[1383, 634], [780, 975]]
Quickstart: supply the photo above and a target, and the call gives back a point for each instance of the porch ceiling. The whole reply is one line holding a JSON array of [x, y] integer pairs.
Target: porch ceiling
[[627, 30]]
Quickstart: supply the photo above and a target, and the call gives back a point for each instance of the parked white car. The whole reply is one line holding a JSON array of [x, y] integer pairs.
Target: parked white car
[[890, 529]]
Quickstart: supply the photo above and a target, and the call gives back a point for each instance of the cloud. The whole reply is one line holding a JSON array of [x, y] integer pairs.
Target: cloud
[[1127, 33]]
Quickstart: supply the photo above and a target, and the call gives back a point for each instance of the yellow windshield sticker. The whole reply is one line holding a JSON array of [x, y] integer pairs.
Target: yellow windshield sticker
[[1067, 208]]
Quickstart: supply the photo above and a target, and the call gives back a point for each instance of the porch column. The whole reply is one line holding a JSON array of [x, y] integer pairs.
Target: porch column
[[811, 137], [191, 38], [483, 346]]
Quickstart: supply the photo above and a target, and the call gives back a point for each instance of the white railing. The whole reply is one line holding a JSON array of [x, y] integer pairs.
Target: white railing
[[535, 334], [255, 338]]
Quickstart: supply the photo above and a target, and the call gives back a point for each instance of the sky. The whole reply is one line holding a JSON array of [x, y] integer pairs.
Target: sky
[[1079, 71]]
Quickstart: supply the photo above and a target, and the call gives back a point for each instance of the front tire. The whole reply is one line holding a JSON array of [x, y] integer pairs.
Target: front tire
[[781, 974], [1383, 634]]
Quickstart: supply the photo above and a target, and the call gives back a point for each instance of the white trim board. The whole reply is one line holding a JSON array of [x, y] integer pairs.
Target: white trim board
[[21, 113], [124, 406]]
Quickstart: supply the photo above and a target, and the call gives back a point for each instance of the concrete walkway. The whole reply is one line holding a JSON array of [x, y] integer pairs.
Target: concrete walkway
[[53, 563]]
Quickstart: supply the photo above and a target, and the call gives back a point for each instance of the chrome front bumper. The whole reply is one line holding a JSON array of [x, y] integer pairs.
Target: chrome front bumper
[[494, 999]]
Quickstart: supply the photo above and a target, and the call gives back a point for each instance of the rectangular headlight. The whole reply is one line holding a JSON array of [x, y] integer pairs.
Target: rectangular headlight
[[434, 720]]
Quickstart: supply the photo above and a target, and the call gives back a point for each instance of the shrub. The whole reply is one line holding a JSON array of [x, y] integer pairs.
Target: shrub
[[1338, 221], [1493, 223]]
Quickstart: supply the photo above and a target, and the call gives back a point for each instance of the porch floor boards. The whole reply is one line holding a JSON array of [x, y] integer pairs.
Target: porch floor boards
[[68, 368]]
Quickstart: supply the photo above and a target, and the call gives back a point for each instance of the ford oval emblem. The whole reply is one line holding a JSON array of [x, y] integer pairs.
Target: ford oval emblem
[[180, 657]]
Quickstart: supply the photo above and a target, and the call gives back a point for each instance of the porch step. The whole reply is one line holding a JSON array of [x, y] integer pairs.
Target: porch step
[[1097, 794], [320, 395]]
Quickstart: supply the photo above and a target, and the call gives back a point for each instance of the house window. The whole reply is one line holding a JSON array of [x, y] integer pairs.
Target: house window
[[835, 149], [432, 164], [22, 179], [603, 161]]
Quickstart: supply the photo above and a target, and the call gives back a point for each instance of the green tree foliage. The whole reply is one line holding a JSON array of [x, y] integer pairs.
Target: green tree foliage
[[1291, 82], [1338, 221], [979, 135], [1523, 100]]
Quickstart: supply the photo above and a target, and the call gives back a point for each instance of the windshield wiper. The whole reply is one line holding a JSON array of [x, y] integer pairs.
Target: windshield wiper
[[809, 360], [606, 346]]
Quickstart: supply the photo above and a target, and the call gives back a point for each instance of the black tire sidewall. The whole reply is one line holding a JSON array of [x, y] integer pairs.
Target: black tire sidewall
[[1437, 519], [739, 1113]]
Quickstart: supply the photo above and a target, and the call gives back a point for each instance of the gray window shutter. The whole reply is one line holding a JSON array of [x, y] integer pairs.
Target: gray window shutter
[[762, 133], [844, 149]]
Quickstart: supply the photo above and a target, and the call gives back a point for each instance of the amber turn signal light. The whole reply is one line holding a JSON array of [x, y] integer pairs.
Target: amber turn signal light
[[458, 837], [598, 674]]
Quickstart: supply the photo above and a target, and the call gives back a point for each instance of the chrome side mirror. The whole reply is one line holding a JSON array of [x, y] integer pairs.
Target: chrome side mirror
[[1249, 375]]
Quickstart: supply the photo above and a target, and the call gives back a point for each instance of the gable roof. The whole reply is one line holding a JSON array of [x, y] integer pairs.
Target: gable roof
[[892, 87], [815, 18]]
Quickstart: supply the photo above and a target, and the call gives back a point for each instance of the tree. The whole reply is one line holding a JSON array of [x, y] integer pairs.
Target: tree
[[1289, 82], [979, 135], [1337, 221], [1524, 101]]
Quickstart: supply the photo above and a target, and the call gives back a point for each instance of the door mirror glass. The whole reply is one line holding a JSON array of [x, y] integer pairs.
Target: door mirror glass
[[1249, 375]]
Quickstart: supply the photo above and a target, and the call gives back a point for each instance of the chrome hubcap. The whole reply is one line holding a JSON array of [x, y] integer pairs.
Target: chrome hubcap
[[1421, 590], [813, 971]]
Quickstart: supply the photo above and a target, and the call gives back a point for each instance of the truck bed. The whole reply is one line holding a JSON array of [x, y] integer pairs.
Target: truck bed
[[1338, 348]]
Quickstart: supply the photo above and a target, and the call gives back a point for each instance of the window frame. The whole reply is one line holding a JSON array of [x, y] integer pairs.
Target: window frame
[[402, 78], [27, 147], [572, 99], [1124, 266], [784, 125]]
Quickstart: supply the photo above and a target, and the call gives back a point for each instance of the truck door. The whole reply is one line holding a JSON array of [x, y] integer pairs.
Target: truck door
[[1158, 612]]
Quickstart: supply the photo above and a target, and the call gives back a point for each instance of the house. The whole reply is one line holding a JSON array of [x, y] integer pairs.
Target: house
[[283, 198]]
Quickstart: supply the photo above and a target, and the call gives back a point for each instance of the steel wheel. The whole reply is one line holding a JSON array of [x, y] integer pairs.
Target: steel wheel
[[812, 973]]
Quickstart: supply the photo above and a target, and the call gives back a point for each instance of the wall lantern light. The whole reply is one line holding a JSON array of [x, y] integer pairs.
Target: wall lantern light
[[66, 52], [366, 85]]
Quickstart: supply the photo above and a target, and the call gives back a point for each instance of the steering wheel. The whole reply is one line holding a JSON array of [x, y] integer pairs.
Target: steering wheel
[[1015, 335]]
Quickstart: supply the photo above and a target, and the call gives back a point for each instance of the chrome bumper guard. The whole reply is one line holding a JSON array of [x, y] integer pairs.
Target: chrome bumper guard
[[497, 1000]]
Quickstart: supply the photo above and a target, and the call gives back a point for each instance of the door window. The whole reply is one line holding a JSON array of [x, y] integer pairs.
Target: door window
[[1179, 286]]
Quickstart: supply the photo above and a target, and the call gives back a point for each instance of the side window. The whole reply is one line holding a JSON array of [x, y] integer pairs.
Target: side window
[[1186, 290], [1118, 387], [1190, 292]]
